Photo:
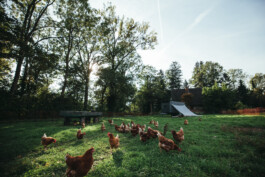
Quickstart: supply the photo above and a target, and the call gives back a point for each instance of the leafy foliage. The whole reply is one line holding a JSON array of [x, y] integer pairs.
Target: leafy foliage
[[187, 98], [217, 98], [207, 74], [152, 91], [121, 38]]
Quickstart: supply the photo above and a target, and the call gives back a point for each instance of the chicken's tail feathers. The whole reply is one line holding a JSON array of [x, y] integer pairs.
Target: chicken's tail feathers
[[165, 131], [117, 136], [181, 128], [177, 148], [140, 130], [159, 134], [44, 135]]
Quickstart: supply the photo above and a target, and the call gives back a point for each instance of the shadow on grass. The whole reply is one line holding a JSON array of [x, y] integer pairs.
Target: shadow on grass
[[118, 157], [21, 141]]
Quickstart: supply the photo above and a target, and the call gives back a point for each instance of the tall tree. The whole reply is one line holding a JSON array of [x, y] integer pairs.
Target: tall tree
[[242, 92], [121, 38], [185, 84], [162, 94], [39, 70], [206, 74], [124, 89], [87, 47], [32, 18], [146, 95], [258, 82], [71, 15], [7, 39], [236, 75], [174, 75]]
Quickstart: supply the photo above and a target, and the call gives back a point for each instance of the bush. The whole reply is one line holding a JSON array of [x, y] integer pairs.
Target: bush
[[217, 98], [43, 105], [240, 105], [187, 98]]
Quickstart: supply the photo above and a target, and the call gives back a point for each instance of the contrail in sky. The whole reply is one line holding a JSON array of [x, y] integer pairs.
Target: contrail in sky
[[160, 20], [198, 19]]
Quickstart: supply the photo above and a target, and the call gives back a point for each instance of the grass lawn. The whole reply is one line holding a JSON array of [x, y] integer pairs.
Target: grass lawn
[[219, 145]]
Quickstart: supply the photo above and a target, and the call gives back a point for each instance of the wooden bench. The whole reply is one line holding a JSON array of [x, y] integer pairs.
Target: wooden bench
[[81, 115]]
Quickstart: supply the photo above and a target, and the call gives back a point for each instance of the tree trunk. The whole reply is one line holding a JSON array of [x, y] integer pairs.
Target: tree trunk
[[65, 77], [112, 98], [102, 97], [24, 78], [64, 85], [151, 108], [69, 48], [14, 87], [86, 94]]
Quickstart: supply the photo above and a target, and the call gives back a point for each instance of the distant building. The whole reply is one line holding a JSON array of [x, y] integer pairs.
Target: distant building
[[196, 99]]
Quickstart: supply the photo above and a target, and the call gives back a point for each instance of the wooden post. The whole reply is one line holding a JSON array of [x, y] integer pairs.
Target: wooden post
[[67, 120], [88, 120]]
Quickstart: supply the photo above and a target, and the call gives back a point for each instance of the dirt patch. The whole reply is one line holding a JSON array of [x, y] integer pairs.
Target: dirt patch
[[243, 129], [252, 130]]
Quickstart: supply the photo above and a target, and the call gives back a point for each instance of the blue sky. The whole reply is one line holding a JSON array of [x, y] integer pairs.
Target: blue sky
[[230, 32]]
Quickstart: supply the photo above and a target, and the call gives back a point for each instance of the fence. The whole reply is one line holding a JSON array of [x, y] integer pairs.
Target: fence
[[246, 111]]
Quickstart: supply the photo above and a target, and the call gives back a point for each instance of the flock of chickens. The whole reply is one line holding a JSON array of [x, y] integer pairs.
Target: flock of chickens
[[80, 165]]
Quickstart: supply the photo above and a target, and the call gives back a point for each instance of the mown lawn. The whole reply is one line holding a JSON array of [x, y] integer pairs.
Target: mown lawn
[[219, 145]]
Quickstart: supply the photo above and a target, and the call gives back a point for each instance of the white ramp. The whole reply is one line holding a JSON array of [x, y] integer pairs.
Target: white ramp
[[180, 107]]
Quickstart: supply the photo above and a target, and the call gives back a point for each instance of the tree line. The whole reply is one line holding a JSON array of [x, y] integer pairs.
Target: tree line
[[64, 41]]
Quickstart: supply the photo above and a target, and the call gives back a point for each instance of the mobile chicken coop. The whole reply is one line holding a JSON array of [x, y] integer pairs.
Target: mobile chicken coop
[[176, 108]]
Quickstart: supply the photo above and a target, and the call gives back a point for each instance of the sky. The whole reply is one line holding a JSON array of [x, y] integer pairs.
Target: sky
[[230, 32]]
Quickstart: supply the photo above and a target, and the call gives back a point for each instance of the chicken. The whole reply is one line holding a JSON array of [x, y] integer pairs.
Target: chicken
[[45, 141], [151, 122], [165, 129], [83, 125], [113, 141], [144, 136], [152, 133], [134, 130], [178, 136], [80, 135], [122, 125], [127, 129], [142, 127], [156, 124], [186, 122], [117, 128], [103, 128], [80, 165], [111, 122], [166, 144]]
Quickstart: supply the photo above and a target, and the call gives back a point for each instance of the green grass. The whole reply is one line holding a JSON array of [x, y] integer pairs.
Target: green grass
[[219, 145]]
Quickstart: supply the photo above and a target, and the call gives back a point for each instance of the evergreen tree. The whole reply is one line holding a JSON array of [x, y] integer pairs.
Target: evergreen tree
[[174, 75]]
